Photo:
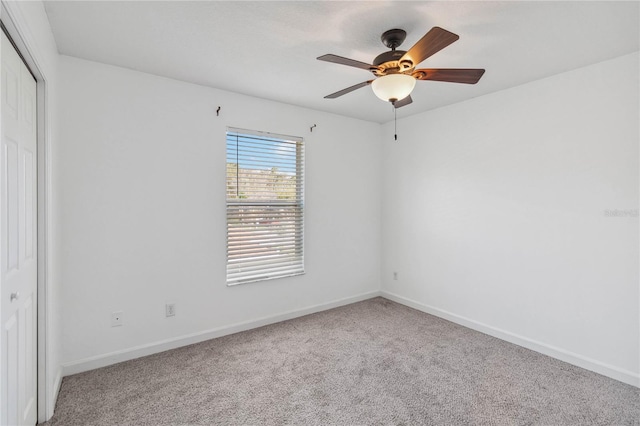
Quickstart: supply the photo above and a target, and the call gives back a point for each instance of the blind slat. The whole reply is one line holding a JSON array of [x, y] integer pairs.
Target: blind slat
[[262, 239], [263, 247], [270, 272], [284, 258], [255, 254]]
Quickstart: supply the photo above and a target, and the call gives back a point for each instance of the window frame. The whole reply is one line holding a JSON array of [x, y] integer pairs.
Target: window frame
[[264, 267]]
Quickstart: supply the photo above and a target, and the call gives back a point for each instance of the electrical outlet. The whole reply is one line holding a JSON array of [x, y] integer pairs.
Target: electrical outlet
[[395, 276], [117, 319], [170, 309]]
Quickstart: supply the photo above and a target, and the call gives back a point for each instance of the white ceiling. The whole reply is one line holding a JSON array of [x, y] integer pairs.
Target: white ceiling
[[268, 49]]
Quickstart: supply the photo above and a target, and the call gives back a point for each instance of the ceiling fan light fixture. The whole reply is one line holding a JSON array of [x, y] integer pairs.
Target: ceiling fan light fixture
[[393, 87]]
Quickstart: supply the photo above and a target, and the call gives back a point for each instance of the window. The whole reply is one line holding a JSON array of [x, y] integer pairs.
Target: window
[[265, 220]]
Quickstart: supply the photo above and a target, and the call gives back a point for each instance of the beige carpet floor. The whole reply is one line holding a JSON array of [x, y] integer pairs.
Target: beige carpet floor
[[370, 363]]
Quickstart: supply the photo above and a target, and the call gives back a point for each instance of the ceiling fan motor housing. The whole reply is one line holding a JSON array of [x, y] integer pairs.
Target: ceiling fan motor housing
[[389, 63]]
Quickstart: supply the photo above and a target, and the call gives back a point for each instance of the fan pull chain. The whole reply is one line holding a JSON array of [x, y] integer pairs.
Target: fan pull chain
[[395, 123]]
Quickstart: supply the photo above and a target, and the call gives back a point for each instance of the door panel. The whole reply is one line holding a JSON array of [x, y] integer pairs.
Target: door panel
[[29, 215], [18, 251], [10, 370], [10, 204], [30, 359]]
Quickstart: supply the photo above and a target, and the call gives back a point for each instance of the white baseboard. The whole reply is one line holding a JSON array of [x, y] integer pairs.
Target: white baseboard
[[173, 343], [611, 371]]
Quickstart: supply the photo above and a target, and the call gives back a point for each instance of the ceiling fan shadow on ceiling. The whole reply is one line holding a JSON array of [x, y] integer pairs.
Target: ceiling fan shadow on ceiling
[[396, 72]]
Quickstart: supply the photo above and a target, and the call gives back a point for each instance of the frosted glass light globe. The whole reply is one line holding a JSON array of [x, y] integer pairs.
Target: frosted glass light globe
[[393, 87]]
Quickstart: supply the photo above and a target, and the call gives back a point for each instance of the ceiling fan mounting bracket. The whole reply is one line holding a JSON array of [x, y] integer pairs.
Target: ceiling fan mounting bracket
[[393, 38]]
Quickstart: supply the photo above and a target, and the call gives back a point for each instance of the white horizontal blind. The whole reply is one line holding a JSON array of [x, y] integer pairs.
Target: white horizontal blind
[[265, 214]]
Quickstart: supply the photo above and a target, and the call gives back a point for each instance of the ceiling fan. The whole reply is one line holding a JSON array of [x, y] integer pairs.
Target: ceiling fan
[[396, 72]]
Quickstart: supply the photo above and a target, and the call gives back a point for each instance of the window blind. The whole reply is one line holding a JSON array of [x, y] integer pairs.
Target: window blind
[[265, 206]]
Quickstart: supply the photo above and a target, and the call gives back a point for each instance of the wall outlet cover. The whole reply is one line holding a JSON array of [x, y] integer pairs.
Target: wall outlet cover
[[170, 309]]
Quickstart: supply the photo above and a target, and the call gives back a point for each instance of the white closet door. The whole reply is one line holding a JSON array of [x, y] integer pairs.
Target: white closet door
[[18, 206]]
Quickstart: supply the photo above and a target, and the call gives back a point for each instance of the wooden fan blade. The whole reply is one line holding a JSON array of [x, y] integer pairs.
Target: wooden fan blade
[[451, 75], [403, 102], [432, 42], [348, 89], [344, 61]]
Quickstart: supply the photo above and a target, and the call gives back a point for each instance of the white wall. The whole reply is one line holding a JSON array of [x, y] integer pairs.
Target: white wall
[[29, 26], [143, 170], [494, 215]]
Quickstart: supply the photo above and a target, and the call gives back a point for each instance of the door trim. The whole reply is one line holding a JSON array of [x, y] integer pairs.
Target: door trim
[[14, 23]]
